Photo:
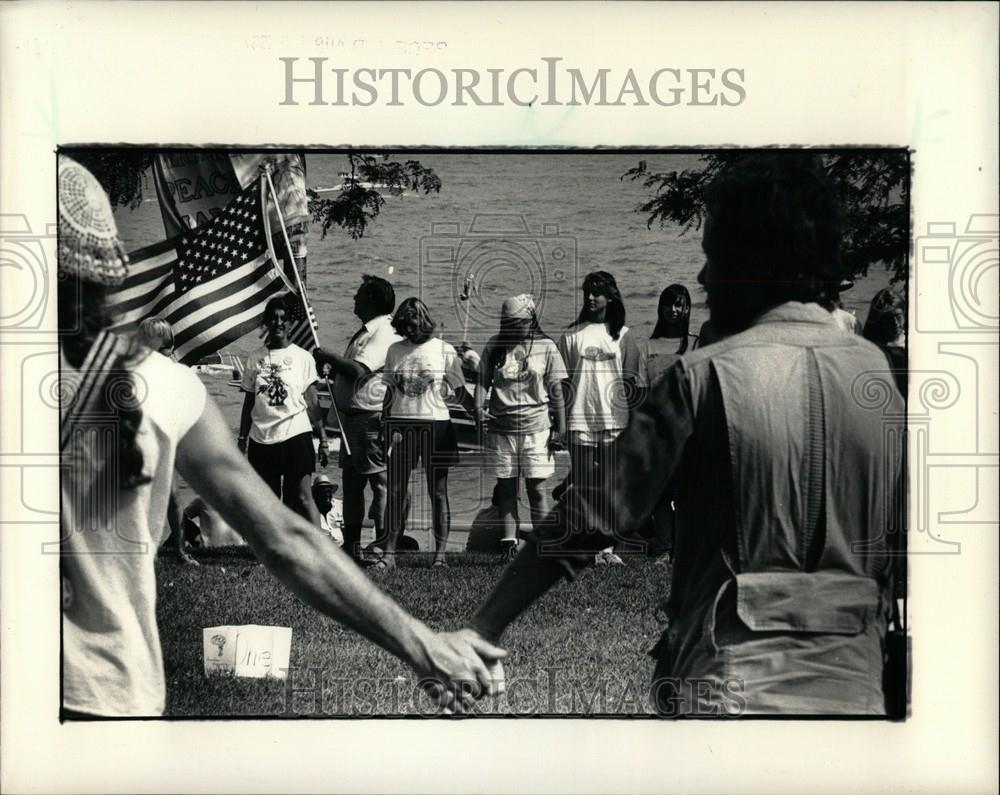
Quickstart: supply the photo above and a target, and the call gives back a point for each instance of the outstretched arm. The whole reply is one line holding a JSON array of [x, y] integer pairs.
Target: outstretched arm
[[645, 458], [315, 569]]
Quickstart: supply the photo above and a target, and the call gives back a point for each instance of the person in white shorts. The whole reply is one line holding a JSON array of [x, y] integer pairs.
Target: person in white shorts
[[522, 371]]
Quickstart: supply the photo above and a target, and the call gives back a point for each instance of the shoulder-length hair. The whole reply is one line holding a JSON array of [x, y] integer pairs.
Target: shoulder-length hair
[[413, 321], [604, 283], [683, 327]]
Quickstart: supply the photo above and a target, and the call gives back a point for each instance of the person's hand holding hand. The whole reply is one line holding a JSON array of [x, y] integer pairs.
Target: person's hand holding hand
[[461, 667], [557, 439], [241, 443]]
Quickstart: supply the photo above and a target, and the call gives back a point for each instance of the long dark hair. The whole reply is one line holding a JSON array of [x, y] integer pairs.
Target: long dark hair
[[682, 328], [498, 354], [886, 317], [604, 282], [82, 317]]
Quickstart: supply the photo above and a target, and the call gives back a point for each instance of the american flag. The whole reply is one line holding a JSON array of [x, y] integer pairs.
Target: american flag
[[211, 285], [301, 321]]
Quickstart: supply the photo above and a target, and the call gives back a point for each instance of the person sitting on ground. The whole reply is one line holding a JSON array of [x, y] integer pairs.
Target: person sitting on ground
[[111, 663], [330, 509]]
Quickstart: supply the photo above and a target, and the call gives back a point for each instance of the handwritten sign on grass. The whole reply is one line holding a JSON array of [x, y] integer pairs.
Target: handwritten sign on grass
[[250, 650]]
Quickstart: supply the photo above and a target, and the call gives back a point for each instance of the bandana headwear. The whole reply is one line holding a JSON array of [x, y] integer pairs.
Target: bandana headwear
[[89, 245], [520, 307]]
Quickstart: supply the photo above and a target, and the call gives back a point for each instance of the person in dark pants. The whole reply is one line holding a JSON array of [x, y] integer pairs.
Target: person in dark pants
[[358, 392], [280, 412], [781, 588]]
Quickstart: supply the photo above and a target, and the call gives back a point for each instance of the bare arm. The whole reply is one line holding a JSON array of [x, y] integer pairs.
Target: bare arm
[[312, 567], [341, 365]]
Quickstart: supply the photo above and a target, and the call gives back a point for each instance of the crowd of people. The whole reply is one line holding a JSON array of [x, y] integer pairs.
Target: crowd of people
[[737, 454]]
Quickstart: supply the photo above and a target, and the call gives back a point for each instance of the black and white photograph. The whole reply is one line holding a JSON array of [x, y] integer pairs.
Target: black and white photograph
[[674, 379], [497, 397]]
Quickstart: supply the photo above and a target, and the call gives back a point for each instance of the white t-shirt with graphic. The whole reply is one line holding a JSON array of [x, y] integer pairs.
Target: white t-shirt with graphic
[[278, 379], [598, 366], [421, 376]]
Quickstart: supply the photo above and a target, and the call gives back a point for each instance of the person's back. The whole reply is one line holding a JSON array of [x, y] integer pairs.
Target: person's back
[[780, 565]]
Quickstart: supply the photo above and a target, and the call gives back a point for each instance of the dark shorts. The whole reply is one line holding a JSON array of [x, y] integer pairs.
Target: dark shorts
[[292, 458], [362, 433], [431, 441]]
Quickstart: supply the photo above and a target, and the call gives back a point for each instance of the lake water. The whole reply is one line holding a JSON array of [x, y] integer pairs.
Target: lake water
[[514, 223]]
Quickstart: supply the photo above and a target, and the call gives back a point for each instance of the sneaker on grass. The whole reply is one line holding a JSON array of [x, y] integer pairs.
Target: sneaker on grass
[[607, 557]]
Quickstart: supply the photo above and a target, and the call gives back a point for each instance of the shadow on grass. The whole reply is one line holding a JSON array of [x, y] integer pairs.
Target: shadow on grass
[[579, 650]]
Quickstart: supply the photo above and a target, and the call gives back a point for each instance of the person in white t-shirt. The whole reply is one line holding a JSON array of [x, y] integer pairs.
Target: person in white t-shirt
[[280, 412], [422, 374], [111, 662], [607, 379], [523, 372], [358, 392]]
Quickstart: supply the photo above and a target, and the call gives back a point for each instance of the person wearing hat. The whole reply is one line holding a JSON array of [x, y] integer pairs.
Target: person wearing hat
[[330, 509], [522, 372], [114, 490]]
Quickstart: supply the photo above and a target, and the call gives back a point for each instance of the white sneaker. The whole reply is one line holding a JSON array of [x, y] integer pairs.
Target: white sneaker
[[607, 557]]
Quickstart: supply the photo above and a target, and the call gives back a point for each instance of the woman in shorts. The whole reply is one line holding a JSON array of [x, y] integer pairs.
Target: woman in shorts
[[422, 373], [280, 412], [522, 371]]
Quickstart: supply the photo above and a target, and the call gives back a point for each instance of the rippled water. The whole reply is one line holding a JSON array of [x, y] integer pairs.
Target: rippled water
[[559, 216]]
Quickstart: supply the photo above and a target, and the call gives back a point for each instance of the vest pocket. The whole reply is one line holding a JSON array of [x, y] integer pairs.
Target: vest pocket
[[826, 602]]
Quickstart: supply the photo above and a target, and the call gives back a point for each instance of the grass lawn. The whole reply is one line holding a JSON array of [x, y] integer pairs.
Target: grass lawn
[[579, 650]]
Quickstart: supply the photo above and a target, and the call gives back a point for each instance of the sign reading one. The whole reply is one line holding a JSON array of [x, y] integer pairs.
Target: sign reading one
[[250, 650]]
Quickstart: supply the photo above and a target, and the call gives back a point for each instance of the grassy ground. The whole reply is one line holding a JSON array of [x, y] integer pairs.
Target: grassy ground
[[579, 650]]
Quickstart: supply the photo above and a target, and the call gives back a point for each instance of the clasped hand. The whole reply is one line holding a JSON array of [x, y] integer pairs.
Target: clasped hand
[[462, 667]]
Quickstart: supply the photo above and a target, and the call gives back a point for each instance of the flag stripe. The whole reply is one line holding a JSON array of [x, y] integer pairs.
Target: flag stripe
[[143, 305], [207, 312], [238, 321]]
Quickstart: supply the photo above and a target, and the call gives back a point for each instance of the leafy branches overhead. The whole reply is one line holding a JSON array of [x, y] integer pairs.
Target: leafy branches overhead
[[363, 189], [122, 174], [872, 185]]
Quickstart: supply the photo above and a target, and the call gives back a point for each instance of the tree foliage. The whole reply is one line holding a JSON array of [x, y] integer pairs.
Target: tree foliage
[[874, 193], [123, 175], [363, 190]]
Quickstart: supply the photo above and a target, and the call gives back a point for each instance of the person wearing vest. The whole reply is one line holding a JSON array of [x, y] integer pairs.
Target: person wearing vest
[[778, 442]]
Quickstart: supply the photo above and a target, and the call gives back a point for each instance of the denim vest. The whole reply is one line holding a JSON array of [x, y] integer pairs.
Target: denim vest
[[780, 592]]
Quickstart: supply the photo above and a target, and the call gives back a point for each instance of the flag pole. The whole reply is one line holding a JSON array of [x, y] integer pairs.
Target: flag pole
[[305, 304]]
